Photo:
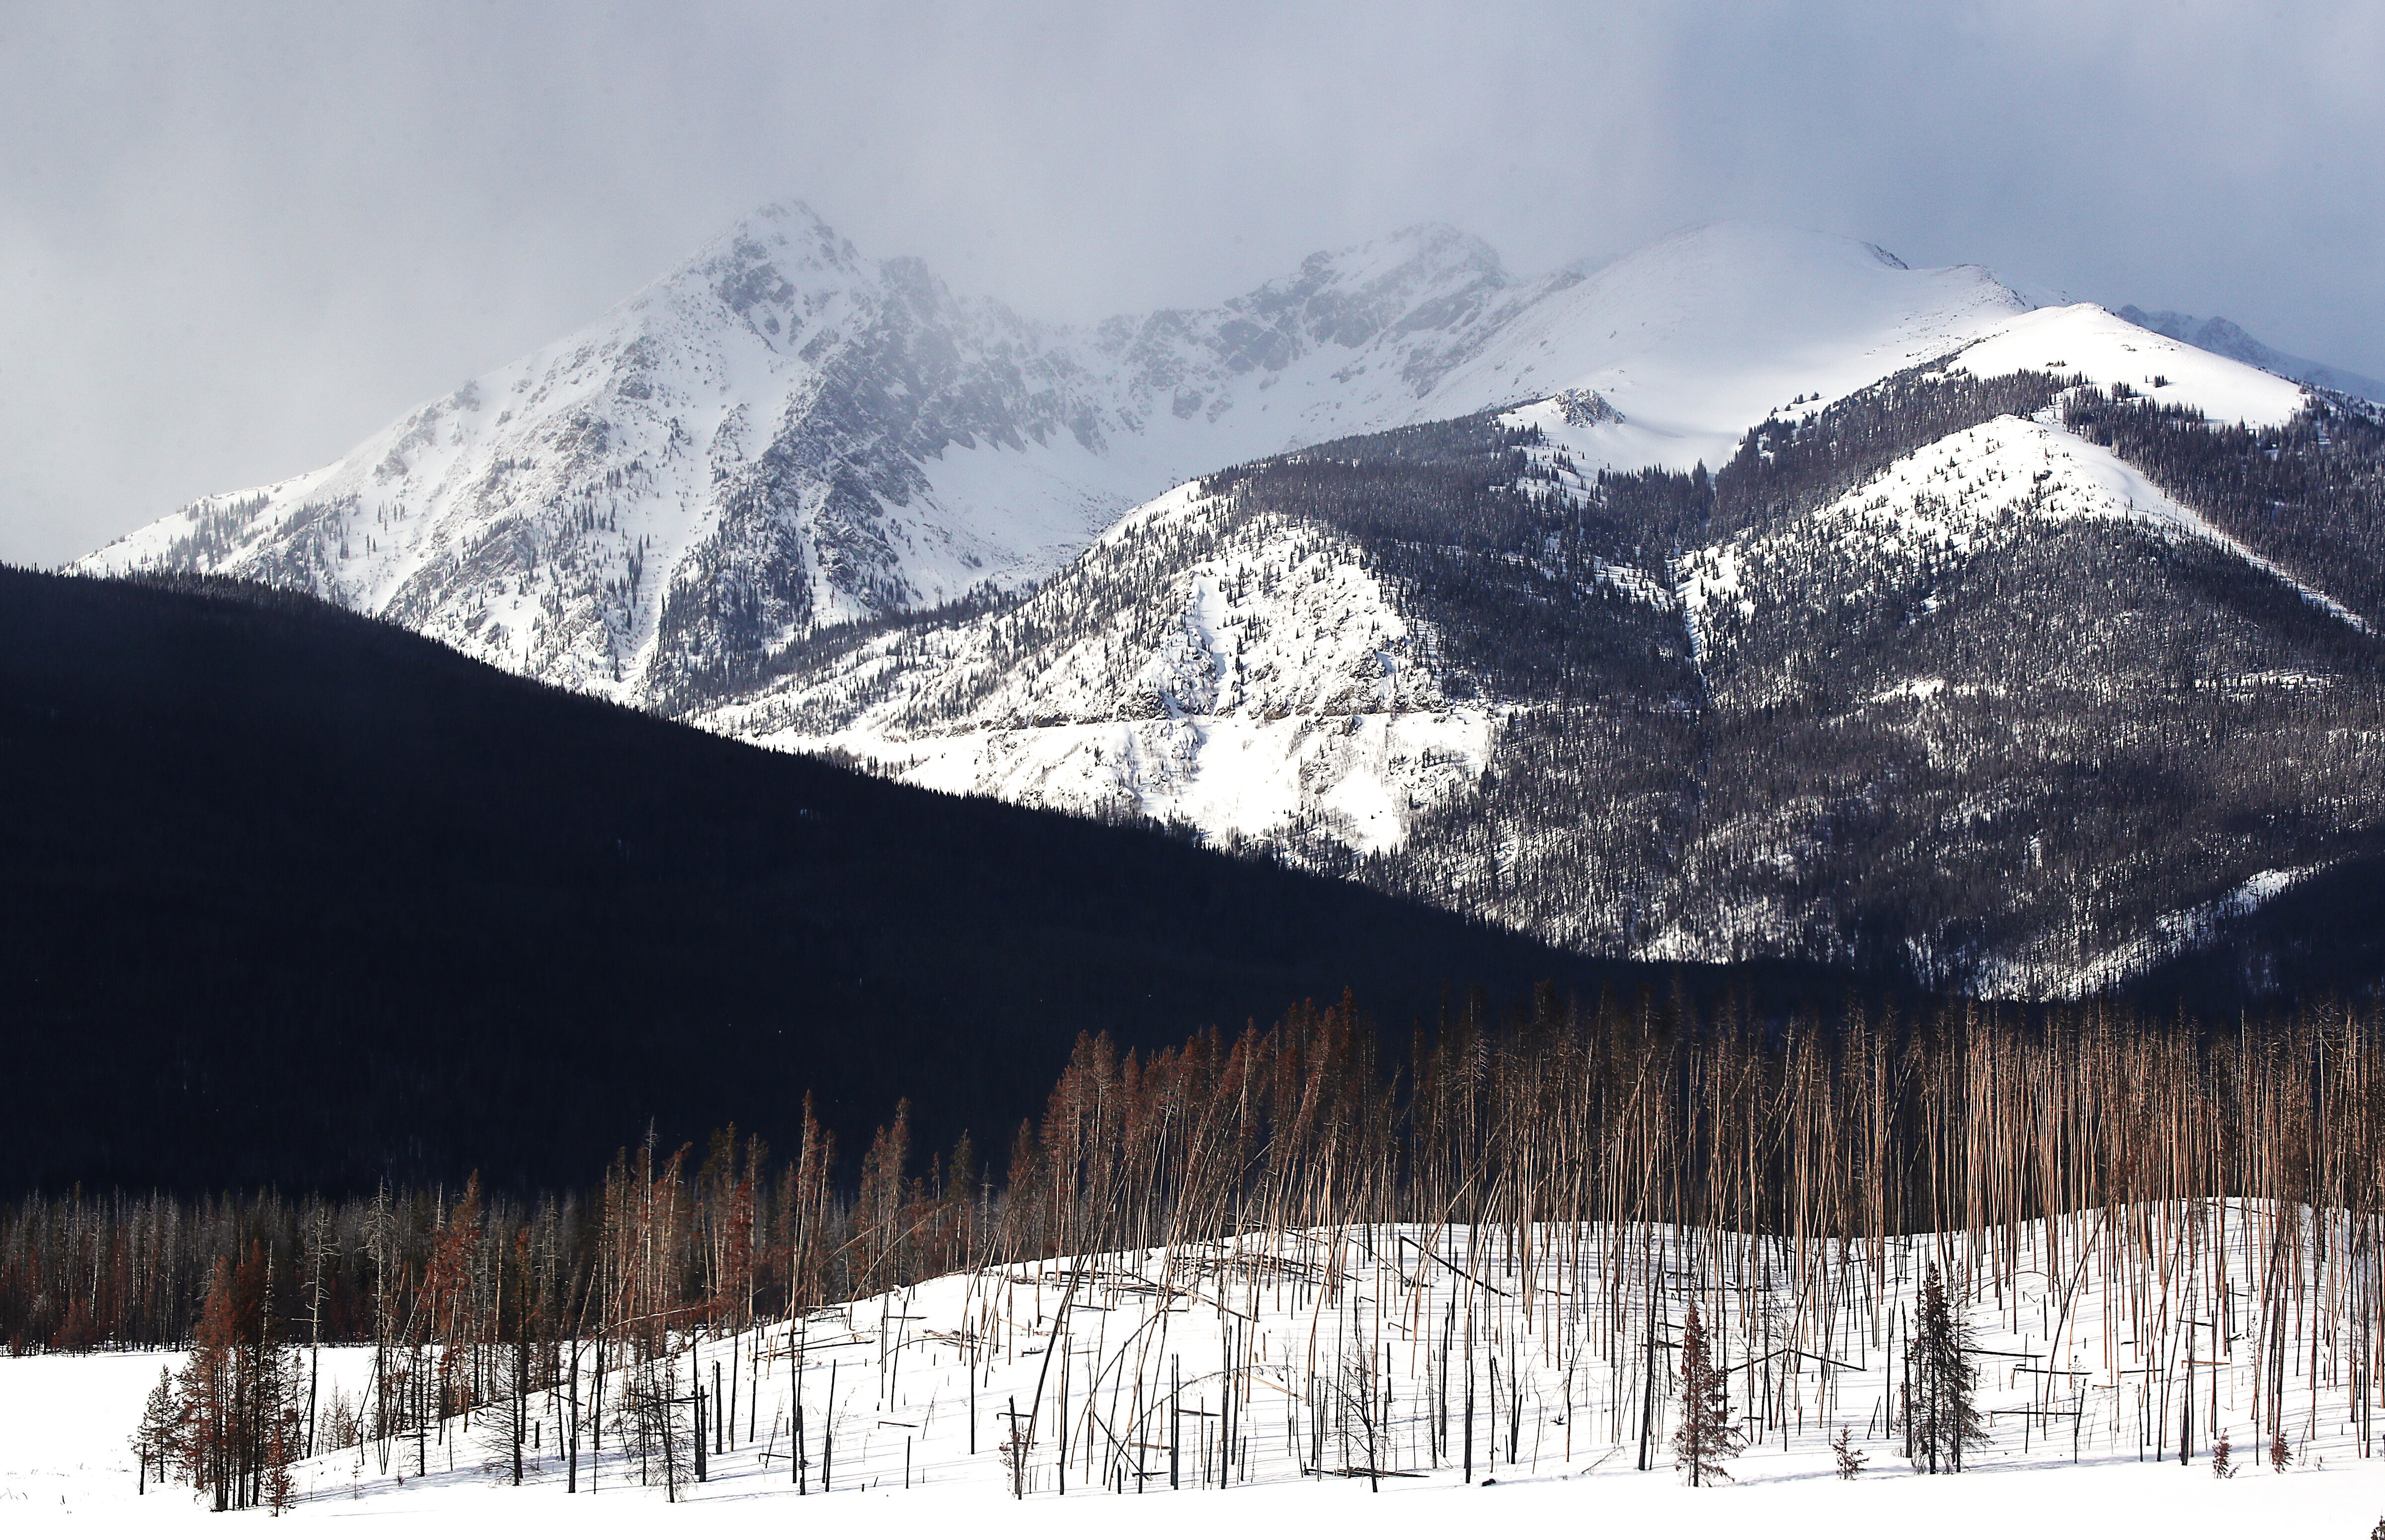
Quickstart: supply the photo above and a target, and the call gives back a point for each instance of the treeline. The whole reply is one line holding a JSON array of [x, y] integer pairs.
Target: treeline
[[2309, 495], [1636, 1110], [1454, 482], [1785, 467]]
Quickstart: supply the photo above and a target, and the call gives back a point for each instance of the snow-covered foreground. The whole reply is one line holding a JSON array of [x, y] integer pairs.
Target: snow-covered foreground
[[1151, 1378]]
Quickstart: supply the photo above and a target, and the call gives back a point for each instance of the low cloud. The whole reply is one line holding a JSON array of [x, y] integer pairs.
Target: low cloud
[[236, 240]]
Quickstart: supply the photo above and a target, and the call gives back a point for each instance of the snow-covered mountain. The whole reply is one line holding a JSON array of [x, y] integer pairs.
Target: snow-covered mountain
[[781, 435], [2223, 337], [1917, 639], [1750, 595]]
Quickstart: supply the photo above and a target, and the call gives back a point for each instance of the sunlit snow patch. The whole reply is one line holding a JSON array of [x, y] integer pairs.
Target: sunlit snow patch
[[2090, 340]]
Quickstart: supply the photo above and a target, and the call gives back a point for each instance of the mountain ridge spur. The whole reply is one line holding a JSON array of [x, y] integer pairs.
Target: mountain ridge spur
[[1750, 595]]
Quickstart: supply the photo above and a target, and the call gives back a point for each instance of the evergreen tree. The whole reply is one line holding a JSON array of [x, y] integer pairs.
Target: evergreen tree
[[1850, 1460], [1707, 1434], [1942, 1410], [154, 1440], [211, 1399]]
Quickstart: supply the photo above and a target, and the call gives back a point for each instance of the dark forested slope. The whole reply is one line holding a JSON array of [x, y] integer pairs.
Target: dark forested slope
[[287, 894]]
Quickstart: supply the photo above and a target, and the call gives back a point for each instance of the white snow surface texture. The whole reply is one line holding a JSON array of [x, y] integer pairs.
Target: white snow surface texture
[[1120, 1361], [1273, 679]]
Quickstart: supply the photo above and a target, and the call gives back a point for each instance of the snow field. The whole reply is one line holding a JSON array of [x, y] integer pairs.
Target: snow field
[[1213, 1381], [1968, 492], [2088, 339]]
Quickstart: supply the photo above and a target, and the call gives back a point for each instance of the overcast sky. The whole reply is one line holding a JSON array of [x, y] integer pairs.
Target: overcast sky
[[237, 238]]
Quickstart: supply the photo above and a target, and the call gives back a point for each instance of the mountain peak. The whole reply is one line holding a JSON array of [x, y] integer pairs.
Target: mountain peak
[[781, 434], [1742, 238], [785, 234], [1448, 248]]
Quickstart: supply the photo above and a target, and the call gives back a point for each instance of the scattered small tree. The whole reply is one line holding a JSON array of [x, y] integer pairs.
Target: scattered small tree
[[2223, 1464], [1850, 1460], [2281, 1454], [502, 1422], [281, 1444], [344, 1423], [653, 1416], [1707, 1436]]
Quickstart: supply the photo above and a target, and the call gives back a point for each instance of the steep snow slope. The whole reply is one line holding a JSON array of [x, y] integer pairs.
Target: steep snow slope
[[1248, 675], [1857, 692], [2054, 720], [781, 435], [1693, 339]]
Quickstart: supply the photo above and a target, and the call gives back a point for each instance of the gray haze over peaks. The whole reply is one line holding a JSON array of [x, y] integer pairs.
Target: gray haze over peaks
[[2225, 338], [239, 239]]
